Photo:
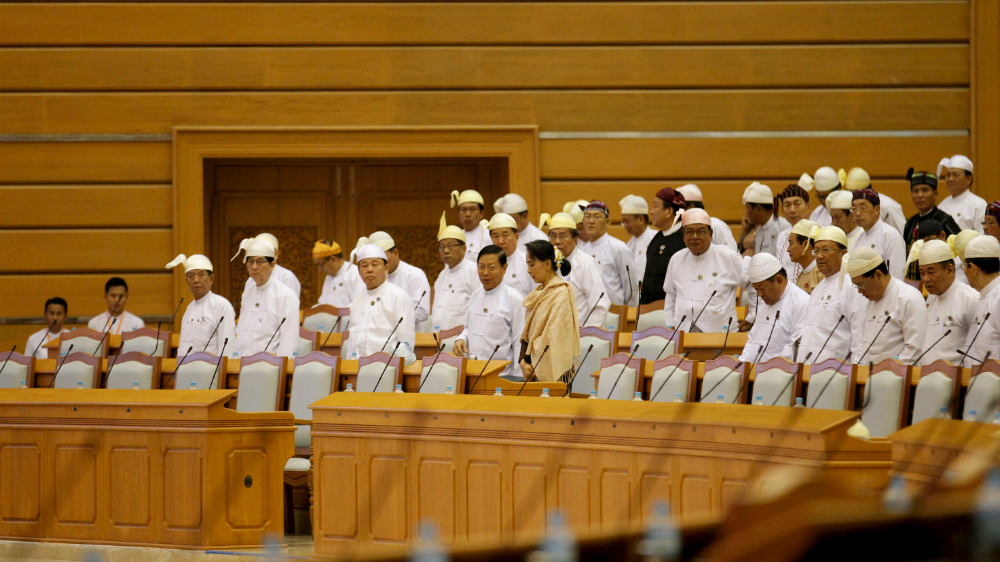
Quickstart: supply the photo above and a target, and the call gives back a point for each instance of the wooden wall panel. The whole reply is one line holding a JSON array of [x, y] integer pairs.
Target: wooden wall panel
[[127, 250], [34, 206], [25, 295], [406, 23], [399, 68], [670, 110], [70, 162]]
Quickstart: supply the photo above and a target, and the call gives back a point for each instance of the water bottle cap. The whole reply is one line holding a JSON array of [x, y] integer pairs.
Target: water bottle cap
[[678, 395], [760, 398], [638, 393], [594, 393], [349, 385], [447, 388], [498, 389], [399, 387], [722, 396], [544, 390], [24, 382], [798, 399]]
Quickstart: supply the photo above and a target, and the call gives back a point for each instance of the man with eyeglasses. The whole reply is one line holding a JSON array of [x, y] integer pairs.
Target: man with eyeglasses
[[951, 306], [621, 278], [878, 235], [585, 278], [342, 281], [269, 313], [208, 310], [456, 282], [838, 204], [825, 334], [503, 233], [892, 320], [495, 315], [963, 205]]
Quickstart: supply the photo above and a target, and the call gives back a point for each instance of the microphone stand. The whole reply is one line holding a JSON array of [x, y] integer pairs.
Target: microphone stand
[[179, 363], [943, 336], [282, 323], [835, 326], [48, 331], [222, 357], [625, 366], [172, 318], [694, 322], [683, 357], [569, 385], [391, 333], [630, 290], [335, 326], [875, 339], [592, 309], [107, 376], [829, 380], [495, 349], [100, 343], [12, 350], [759, 355], [788, 384], [544, 351], [54, 375], [217, 324], [379, 381], [725, 340], [156, 343], [671, 338], [431, 368], [974, 338]]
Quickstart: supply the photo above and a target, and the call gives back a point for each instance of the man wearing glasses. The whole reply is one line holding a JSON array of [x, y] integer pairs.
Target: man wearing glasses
[[342, 282], [269, 314], [963, 205], [210, 319], [455, 283], [827, 330], [878, 235]]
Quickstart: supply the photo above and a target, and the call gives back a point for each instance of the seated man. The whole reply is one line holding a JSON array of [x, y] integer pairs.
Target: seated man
[[933, 230], [826, 180], [280, 273], [765, 224], [585, 278], [951, 306], [116, 320], [269, 310], [962, 204], [893, 317], [982, 267], [782, 316], [827, 329], [341, 282], [456, 282], [55, 317], [210, 319], [382, 314], [495, 316]]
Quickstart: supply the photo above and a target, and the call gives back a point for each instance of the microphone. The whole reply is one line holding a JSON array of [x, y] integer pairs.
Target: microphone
[[393, 332], [209, 340], [877, 334], [592, 309], [544, 351], [696, 318], [495, 349], [379, 381], [759, 355], [12, 350], [943, 336], [964, 355], [280, 324], [569, 385], [795, 352], [829, 380], [331, 333], [431, 368], [107, 376], [683, 357], [671, 338], [40, 342], [835, 326], [629, 273], [640, 290], [100, 343], [68, 351], [117, 302], [788, 384], [172, 318], [222, 356], [972, 380], [725, 340], [416, 306], [179, 363], [974, 338], [625, 366]]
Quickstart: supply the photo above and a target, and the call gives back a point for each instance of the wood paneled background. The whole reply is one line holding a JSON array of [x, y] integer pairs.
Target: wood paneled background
[[628, 96]]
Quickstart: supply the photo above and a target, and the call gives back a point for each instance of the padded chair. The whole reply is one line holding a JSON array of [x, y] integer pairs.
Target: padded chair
[[724, 376], [672, 375], [617, 318], [605, 344], [78, 367], [937, 388], [448, 337], [324, 317], [146, 340], [650, 315], [449, 370], [656, 343], [200, 368], [984, 392], [308, 342], [887, 398], [771, 382], [84, 340], [16, 368], [131, 367], [371, 369], [262, 383], [628, 377], [838, 379]]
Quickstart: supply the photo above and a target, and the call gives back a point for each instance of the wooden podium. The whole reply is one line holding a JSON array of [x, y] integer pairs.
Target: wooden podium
[[140, 467], [487, 469]]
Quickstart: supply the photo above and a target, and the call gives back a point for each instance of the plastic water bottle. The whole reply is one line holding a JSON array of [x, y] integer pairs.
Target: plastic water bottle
[[986, 520], [677, 397], [545, 393], [399, 389], [194, 386], [354, 356], [350, 388], [996, 419], [971, 416], [295, 354], [721, 399], [759, 401], [897, 498], [79, 385], [637, 397], [559, 544], [798, 402], [427, 547], [135, 385], [943, 413], [449, 390], [498, 392], [663, 538], [24, 384], [593, 395]]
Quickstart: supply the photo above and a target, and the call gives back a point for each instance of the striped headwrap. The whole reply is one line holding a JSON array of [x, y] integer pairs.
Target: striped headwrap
[[598, 205], [922, 178], [993, 210], [868, 194], [671, 197]]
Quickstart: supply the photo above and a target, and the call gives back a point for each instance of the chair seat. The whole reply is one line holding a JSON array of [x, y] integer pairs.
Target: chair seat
[[296, 464]]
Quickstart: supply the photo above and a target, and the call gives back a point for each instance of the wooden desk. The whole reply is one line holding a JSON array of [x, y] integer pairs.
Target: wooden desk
[[140, 467], [922, 453], [488, 469]]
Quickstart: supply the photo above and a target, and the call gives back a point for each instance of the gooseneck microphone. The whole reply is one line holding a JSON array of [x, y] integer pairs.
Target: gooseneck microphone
[[973, 342], [671, 338], [222, 357], [592, 309], [757, 359], [622, 372], [829, 380], [674, 370], [420, 300], [209, 340], [100, 343], [54, 375], [694, 323], [40, 342], [179, 363], [379, 381], [544, 351], [282, 323], [172, 318], [495, 349], [789, 383], [943, 336], [835, 326], [630, 289], [725, 340], [391, 333], [569, 385], [330, 333], [875, 339], [12, 350]]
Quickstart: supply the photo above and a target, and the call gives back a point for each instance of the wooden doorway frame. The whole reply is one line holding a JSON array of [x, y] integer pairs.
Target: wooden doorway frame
[[193, 145]]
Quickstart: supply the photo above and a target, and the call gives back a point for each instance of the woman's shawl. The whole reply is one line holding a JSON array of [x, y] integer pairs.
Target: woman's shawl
[[551, 319]]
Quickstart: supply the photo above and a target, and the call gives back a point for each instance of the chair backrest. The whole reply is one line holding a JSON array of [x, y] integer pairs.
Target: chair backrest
[[887, 398], [448, 370], [838, 378], [134, 366], [672, 375], [984, 392], [937, 388], [650, 315], [378, 366], [199, 368], [16, 368], [315, 377], [78, 367], [657, 343], [325, 316], [447, 337], [262, 383], [724, 376], [146, 340], [605, 345], [617, 318], [619, 377], [771, 382], [308, 342], [83, 340]]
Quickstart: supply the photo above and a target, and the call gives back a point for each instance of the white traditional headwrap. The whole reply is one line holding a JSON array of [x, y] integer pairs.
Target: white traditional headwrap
[[806, 182], [983, 247], [839, 200], [762, 267], [467, 196], [696, 216], [826, 179], [511, 203], [831, 234], [758, 193], [960, 162], [857, 179], [634, 205], [958, 242], [369, 251], [383, 239], [575, 209], [558, 220], [270, 238], [862, 261], [691, 192], [196, 261], [942, 165], [446, 232], [503, 220], [935, 251], [255, 248]]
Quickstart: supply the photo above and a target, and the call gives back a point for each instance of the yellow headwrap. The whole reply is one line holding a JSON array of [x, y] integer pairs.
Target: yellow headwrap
[[323, 250]]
